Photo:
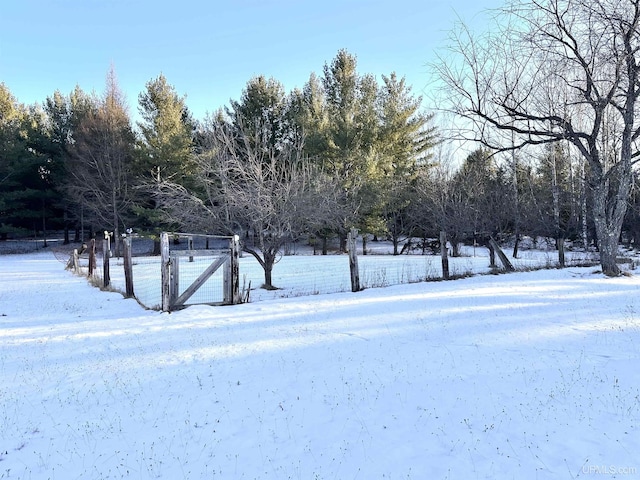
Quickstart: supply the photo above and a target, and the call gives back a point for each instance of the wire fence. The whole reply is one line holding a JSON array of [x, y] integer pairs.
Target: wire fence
[[301, 274]]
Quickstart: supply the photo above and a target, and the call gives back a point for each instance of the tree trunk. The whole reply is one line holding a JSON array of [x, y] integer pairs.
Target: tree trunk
[[608, 219], [92, 257], [584, 212], [116, 229], [268, 282], [516, 200], [269, 261], [608, 246], [608, 237], [455, 248], [106, 277]]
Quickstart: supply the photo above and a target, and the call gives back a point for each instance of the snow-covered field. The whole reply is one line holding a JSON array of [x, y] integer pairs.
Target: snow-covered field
[[526, 376]]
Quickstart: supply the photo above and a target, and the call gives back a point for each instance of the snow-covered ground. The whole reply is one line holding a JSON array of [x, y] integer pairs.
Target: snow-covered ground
[[526, 376]]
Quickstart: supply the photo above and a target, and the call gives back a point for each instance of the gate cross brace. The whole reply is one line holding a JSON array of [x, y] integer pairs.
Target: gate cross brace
[[198, 282]]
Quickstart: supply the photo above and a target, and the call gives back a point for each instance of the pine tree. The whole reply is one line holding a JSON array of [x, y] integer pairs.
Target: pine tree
[[167, 132], [165, 150], [348, 142], [26, 189], [404, 142], [11, 144], [312, 116], [261, 114], [101, 171], [350, 137]]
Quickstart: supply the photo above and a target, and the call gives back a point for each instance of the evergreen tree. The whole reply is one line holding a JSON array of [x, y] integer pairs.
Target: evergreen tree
[[166, 148], [312, 116], [350, 137], [101, 171], [261, 114], [404, 142], [167, 132], [12, 144], [554, 173], [63, 114], [348, 142], [26, 182]]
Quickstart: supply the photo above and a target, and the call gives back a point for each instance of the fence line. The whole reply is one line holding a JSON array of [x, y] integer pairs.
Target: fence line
[[138, 272], [294, 275]]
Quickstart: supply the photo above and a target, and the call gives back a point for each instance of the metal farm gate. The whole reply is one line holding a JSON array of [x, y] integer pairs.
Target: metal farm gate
[[191, 264]]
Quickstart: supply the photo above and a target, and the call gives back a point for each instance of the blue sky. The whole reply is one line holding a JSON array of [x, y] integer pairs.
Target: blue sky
[[208, 50]]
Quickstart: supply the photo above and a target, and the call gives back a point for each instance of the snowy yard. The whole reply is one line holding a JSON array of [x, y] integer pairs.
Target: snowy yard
[[525, 376]]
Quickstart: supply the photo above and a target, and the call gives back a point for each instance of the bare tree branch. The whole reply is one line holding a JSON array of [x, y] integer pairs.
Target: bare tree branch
[[557, 70]]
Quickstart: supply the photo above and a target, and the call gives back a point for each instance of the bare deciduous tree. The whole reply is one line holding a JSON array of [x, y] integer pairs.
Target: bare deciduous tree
[[268, 192], [558, 70]]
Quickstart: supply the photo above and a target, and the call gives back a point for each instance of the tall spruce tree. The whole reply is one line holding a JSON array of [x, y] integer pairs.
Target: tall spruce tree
[[166, 148], [167, 132]]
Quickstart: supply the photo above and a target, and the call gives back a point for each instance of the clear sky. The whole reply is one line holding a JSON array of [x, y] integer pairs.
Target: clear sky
[[209, 49]]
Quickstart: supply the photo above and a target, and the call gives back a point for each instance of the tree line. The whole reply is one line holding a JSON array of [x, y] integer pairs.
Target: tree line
[[345, 150]]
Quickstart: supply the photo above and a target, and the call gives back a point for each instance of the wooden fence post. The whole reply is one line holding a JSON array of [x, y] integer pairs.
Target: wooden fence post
[[444, 254], [353, 260], [503, 258], [560, 246], [106, 278], [492, 256], [165, 271], [92, 256], [174, 280], [128, 267], [231, 273], [235, 270]]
